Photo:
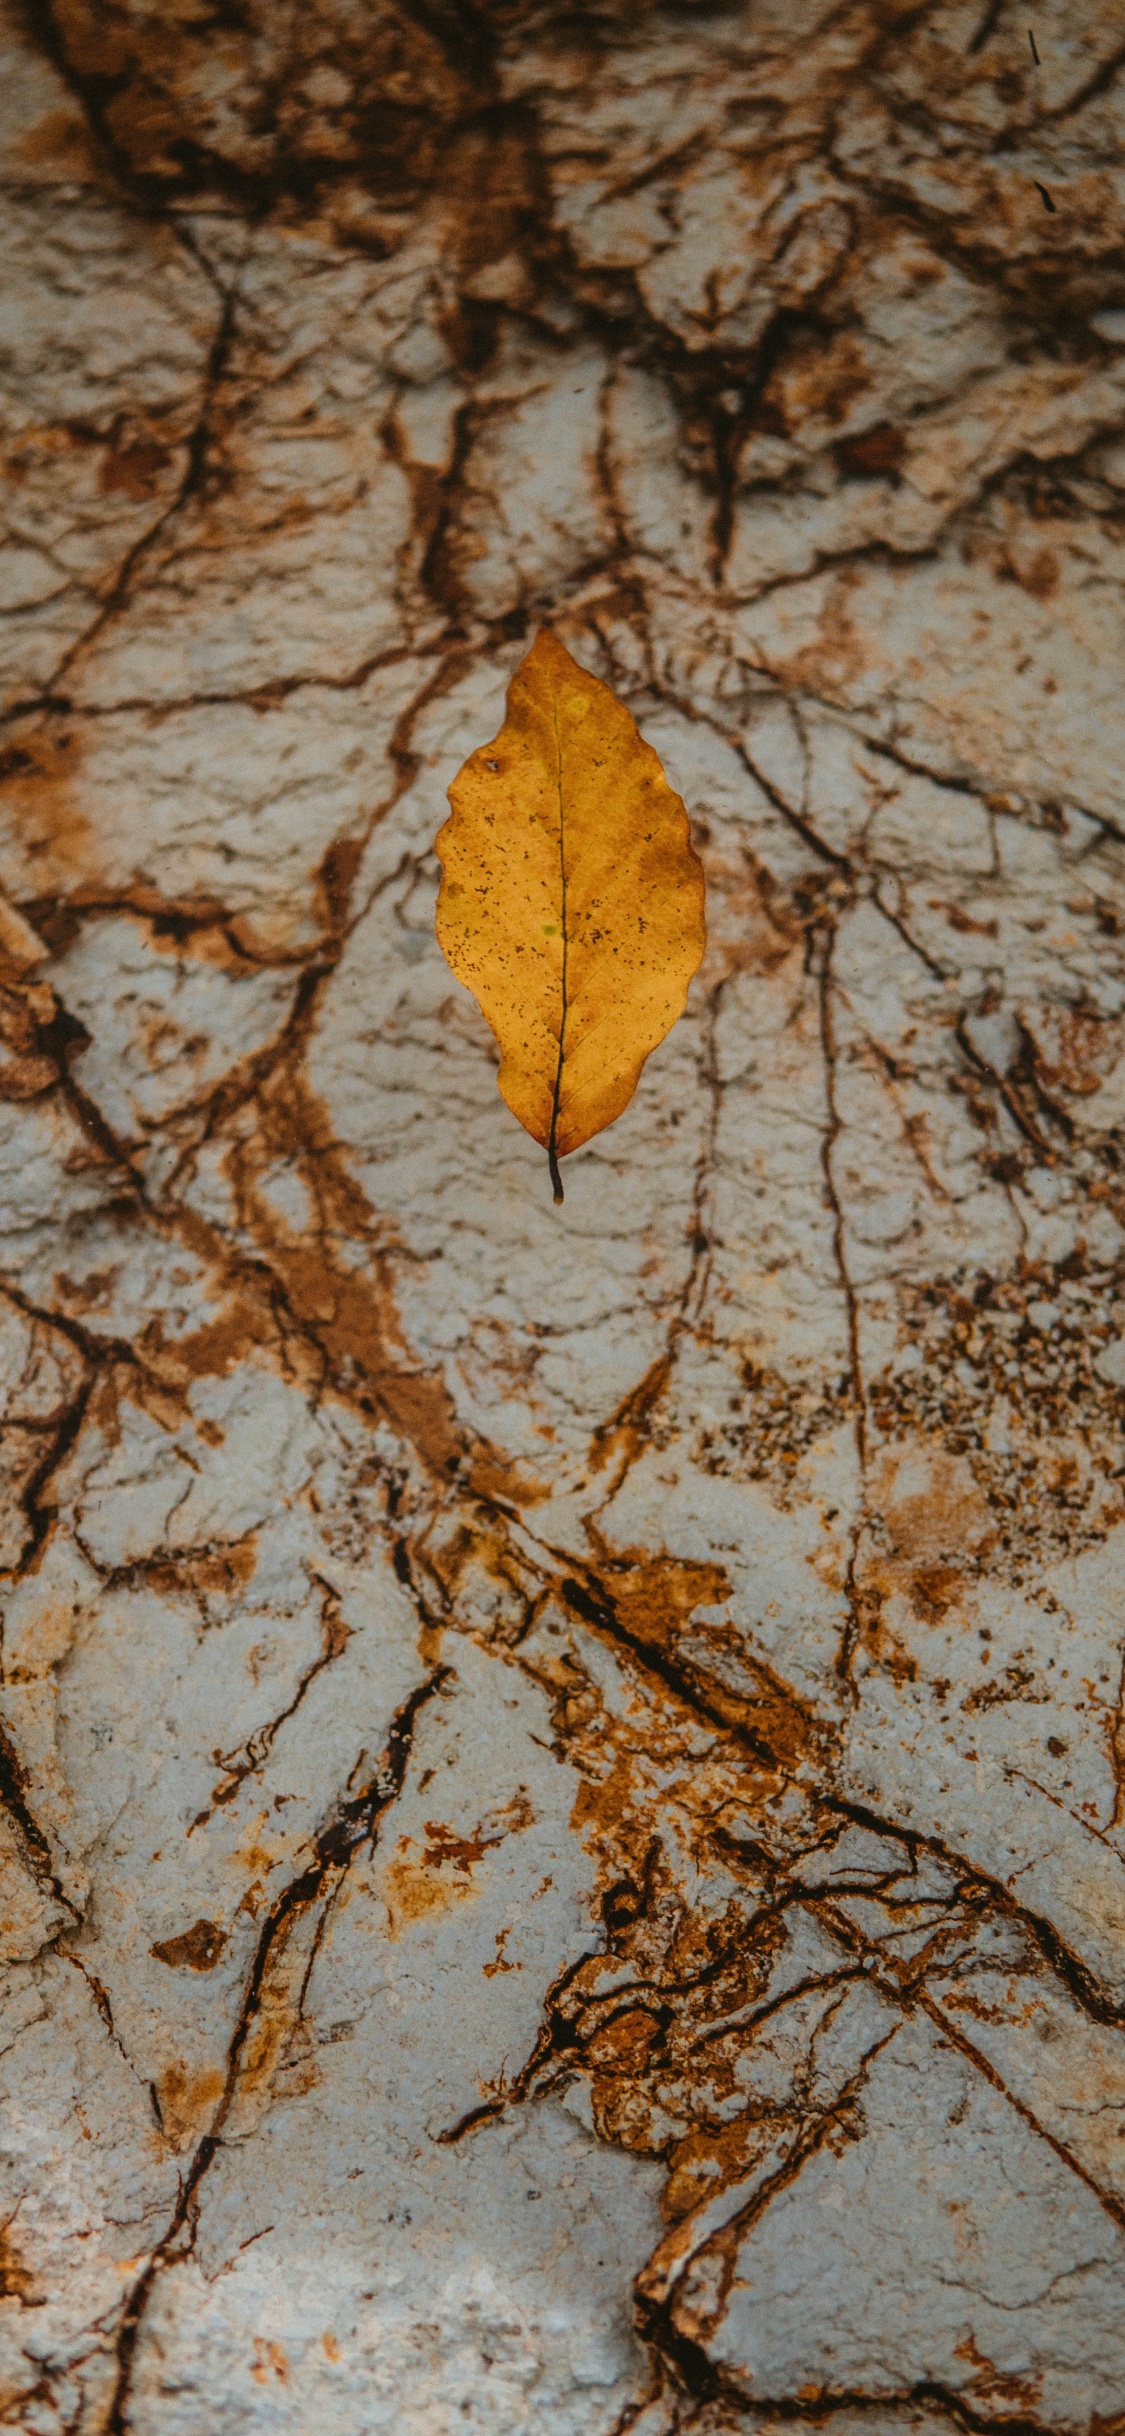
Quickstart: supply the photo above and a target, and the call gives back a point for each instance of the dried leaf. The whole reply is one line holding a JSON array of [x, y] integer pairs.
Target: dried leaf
[[571, 902]]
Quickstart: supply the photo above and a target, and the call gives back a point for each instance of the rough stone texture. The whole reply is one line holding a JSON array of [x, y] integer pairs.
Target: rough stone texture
[[564, 1777]]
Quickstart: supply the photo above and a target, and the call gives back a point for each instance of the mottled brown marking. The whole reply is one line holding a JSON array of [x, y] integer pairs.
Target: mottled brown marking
[[655, 1601], [1075, 1052], [711, 2158], [836, 660], [213, 1572], [21, 949], [351, 1313], [965, 924], [94, 1292], [619, 1439], [198, 1948], [420, 1881], [1019, 2391], [40, 768], [270, 2364], [820, 382], [335, 881], [30, 1061], [134, 467], [153, 86], [934, 1589], [17, 2282], [60, 141], [494, 1474], [1040, 574], [878, 451], [412, 1891], [187, 2101], [935, 1528]]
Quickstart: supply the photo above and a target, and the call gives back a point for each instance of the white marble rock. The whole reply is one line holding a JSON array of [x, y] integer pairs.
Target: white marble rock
[[562, 1774]]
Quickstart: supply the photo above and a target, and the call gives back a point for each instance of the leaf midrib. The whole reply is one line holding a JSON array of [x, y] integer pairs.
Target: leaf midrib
[[552, 1142]]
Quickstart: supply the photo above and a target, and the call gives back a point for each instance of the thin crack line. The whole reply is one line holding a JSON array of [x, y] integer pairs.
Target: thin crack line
[[197, 445], [357, 1821]]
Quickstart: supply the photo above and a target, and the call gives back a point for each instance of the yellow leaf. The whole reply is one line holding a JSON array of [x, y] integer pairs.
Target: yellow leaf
[[571, 901]]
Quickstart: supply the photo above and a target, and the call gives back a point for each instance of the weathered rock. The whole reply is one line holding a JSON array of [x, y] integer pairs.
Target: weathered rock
[[562, 1771]]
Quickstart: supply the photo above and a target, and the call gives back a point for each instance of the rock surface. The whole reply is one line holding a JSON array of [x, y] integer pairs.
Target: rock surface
[[563, 1771]]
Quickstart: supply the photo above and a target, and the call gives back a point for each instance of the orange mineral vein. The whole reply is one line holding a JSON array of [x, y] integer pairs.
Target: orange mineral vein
[[571, 901]]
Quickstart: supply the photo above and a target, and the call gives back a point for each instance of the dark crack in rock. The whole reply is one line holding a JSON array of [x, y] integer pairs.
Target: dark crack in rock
[[562, 1775]]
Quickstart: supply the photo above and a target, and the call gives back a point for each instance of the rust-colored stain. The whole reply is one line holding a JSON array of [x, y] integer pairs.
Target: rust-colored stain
[[211, 1572], [350, 1314], [881, 450], [94, 1292], [500, 1962], [153, 91], [1017, 2391], [134, 466], [932, 1505], [271, 2362], [60, 141], [983, 1353], [488, 179], [619, 1439], [1076, 1052], [708, 2159], [836, 659], [29, 1060], [187, 2100], [1040, 574], [934, 1589], [413, 1888], [198, 1948], [495, 1474], [651, 1603], [40, 798], [965, 924], [437, 1875], [819, 381], [17, 2281], [935, 1530]]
